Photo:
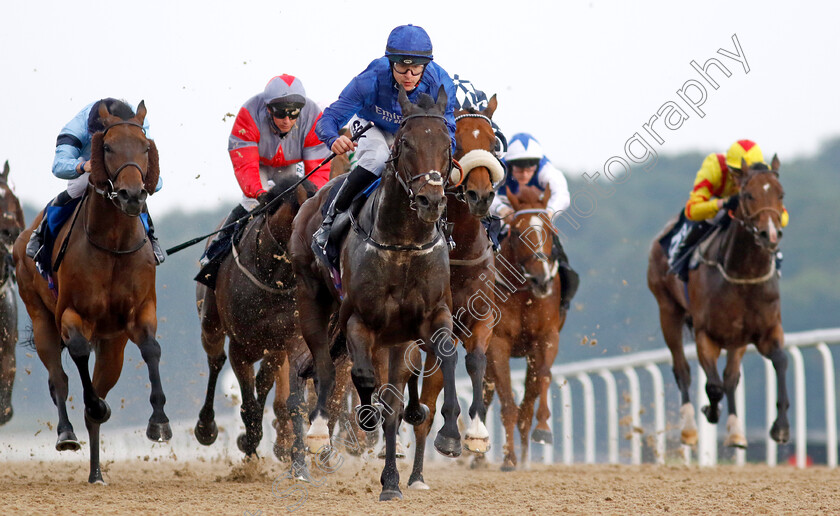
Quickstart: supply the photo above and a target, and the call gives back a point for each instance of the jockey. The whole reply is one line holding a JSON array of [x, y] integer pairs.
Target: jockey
[[72, 162], [528, 166], [468, 97], [372, 96], [273, 133], [715, 191]]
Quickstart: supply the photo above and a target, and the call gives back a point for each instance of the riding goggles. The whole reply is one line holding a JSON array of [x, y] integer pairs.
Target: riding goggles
[[280, 113], [402, 68]]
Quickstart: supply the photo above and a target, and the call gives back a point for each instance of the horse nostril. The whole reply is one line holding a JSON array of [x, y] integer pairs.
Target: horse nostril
[[423, 201], [472, 196], [780, 233], [122, 195]]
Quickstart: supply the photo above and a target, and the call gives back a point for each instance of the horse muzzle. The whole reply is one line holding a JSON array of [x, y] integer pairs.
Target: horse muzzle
[[479, 204], [430, 208], [131, 203]]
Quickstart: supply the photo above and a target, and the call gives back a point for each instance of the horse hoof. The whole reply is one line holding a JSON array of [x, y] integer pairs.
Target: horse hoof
[[390, 494], [688, 437], [477, 444], [735, 441], [712, 415], [416, 417], [161, 432], [67, 442], [448, 446], [542, 436], [206, 434], [507, 467], [316, 442], [418, 485], [779, 434], [103, 406], [6, 416], [244, 446]]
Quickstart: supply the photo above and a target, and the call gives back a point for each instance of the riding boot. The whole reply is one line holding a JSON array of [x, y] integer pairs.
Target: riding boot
[[218, 248], [357, 180], [679, 260], [569, 278], [160, 254], [36, 239]]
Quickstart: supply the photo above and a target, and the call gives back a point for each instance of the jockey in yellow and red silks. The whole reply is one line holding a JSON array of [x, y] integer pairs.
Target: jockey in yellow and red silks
[[714, 188]]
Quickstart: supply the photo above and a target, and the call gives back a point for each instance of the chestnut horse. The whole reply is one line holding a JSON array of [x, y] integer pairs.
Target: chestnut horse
[[733, 299], [105, 285], [470, 267], [395, 273], [528, 290], [11, 224], [254, 306]]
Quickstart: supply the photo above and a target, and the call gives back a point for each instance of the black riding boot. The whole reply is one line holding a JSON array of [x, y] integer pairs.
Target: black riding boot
[[218, 248], [160, 254], [569, 279], [36, 239], [680, 256], [357, 180]]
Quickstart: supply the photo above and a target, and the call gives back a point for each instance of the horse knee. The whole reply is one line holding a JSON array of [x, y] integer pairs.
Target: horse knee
[[475, 362], [150, 350]]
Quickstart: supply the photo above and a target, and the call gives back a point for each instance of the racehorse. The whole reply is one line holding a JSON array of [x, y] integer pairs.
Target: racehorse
[[395, 277], [105, 285], [254, 306], [11, 224], [528, 290], [732, 300], [470, 267]]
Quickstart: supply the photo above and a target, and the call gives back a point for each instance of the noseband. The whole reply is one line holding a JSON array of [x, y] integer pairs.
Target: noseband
[[433, 178], [108, 192]]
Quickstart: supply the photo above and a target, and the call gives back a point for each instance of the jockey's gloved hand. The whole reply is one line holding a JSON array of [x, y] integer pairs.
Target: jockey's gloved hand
[[262, 199], [730, 204]]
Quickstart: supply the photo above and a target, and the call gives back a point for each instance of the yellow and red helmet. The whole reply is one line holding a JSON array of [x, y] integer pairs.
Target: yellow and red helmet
[[746, 149]]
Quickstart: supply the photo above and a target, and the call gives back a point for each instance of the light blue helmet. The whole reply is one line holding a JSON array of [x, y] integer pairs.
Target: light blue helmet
[[409, 44]]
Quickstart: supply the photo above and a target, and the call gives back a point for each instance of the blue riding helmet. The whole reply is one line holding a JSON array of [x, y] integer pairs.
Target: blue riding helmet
[[409, 44]]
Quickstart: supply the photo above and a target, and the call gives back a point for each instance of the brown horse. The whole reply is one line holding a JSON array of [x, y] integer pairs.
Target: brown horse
[[528, 290], [733, 299], [254, 306], [11, 224], [105, 284], [395, 272], [470, 267]]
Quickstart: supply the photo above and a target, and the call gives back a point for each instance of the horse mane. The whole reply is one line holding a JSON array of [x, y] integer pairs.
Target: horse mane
[[760, 166], [283, 184], [529, 195], [425, 101], [116, 107]]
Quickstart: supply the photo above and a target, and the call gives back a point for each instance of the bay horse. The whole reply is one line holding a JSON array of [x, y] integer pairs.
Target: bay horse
[[11, 224], [731, 299], [254, 306], [105, 285], [471, 264], [395, 273], [528, 290]]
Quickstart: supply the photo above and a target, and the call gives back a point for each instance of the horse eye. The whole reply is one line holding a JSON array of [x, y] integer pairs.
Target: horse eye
[[747, 196], [107, 147]]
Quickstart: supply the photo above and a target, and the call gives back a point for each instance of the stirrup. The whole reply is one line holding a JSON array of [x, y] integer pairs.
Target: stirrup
[[160, 254]]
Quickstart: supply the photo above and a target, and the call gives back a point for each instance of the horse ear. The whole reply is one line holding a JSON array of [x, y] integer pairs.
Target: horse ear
[[141, 112], [514, 202], [97, 157], [442, 99], [103, 111], [154, 169], [5, 175], [774, 165], [491, 107], [405, 104]]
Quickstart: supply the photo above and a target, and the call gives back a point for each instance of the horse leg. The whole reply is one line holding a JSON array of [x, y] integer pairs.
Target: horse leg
[[296, 403], [282, 410], [731, 376], [213, 342], [432, 385], [265, 381], [158, 429], [772, 347], [708, 353], [545, 357], [477, 438], [96, 409], [500, 371], [348, 434], [106, 371], [49, 351], [526, 408], [313, 325], [671, 318], [479, 461], [359, 342], [392, 398], [448, 440], [244, 371]]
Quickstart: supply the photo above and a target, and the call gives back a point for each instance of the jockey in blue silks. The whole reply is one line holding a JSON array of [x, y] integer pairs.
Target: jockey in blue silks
[[72, 162], [372, 96]]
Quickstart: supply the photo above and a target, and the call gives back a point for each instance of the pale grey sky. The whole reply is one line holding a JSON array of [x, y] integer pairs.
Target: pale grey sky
[[582, 76]]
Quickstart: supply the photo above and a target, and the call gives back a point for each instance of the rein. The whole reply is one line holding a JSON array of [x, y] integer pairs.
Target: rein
[[434, 177]]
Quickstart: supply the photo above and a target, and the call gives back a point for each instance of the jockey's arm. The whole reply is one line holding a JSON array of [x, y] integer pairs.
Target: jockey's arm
[[702, 203], [243, 148], [314, 152], [551, 177], [500, 206], [337, 114]]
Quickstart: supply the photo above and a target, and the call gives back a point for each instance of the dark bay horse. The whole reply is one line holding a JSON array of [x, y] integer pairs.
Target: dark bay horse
[[470, 271], [528, 290], [105, 285], [254, 306], [733, 299], [11, 224], [395, 273]]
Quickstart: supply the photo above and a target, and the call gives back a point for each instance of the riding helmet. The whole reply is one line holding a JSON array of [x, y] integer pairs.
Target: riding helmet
[[409, 44], [746, 149], [285, 91]]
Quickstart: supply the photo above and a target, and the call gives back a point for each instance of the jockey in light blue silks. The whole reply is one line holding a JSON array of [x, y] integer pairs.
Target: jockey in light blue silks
[[72, 162], [372, 96]]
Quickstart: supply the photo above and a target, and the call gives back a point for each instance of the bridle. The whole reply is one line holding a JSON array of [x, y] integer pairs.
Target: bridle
[[108, 192], [433, 178], [748, 220], [539, 255], [459, 190]]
